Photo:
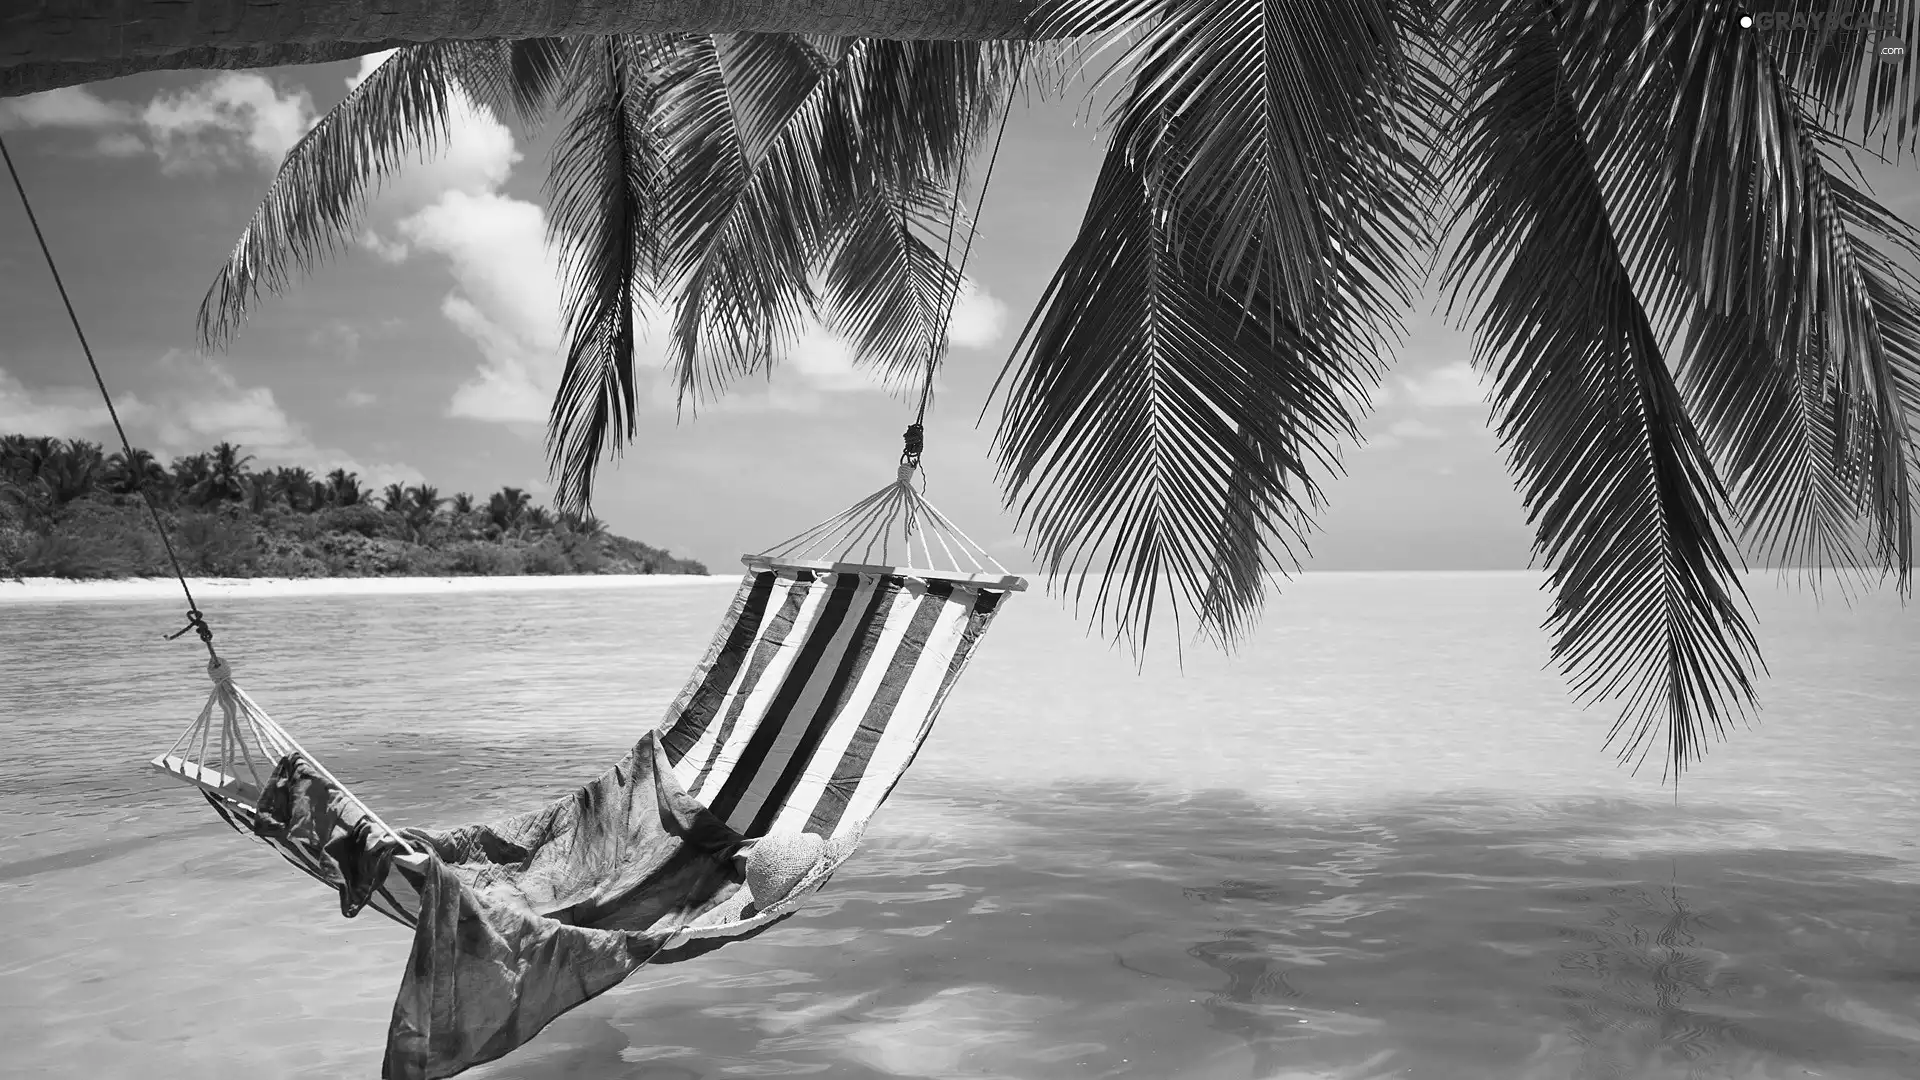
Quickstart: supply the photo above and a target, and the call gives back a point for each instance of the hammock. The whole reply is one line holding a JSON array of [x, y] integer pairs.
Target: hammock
[[818, 690], [820, 686]]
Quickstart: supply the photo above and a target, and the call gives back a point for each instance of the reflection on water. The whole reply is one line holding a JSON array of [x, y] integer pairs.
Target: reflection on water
[[1115, 921]]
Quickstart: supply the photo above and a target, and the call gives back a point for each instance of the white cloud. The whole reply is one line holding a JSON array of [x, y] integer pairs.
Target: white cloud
[[387, 251], [368, 62], [1455, 385], [507, 300], [231, 118], [825, 361], [64, 412], [978, 318], [200, 404], [210, 124], [119, 144], [510, 386], [67, 107]]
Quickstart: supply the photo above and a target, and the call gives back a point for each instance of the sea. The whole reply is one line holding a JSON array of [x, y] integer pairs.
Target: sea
[[1379, 840]]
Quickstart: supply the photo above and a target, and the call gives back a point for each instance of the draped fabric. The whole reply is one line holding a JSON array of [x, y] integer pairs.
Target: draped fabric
[[818, 690]]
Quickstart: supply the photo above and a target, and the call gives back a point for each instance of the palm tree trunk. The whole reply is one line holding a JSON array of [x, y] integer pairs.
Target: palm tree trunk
[[46, 44]]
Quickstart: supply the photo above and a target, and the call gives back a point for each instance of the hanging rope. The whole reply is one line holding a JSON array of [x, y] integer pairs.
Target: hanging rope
[[195, 621], [915, 438]]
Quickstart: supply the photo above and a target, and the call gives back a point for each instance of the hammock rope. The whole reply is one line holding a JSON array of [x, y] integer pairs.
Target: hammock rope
[[195, 620], [244, 725], [871, 521]]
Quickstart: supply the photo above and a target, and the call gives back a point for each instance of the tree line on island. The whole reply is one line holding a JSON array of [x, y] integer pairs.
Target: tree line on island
[[69, 509]]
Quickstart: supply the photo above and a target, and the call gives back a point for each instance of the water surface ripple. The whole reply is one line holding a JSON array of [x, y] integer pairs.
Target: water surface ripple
[[1377, 843]]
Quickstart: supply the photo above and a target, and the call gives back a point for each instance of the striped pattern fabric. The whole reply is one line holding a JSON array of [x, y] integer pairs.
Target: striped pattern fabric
[[817, 692], [815, 696]]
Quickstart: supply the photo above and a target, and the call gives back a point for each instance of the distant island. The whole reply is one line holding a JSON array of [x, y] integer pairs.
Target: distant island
[[70, 510]]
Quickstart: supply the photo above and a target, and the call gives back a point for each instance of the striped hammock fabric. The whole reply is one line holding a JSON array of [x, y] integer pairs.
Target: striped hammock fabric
[[820, 686], [818, 691]]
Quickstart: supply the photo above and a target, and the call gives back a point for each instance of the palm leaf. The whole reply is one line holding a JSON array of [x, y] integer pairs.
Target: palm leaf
[[318, 194], [1739, 235], [601, 193], [886, 287], [1619, 486], [526, 75], [1257, 232], [783, 152], [1288, 121], [741, 206], [1848, 88], [906, 116], [1140, 395]]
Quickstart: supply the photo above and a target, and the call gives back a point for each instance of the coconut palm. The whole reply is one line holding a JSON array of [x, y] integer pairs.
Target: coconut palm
[[127, 473], [393, 498], [191, 477], [297, 486], [507, 509], [422, 508], [50, 471], [343, 488], [583, 525], [1695, 317], [462, 503], [227, 475]]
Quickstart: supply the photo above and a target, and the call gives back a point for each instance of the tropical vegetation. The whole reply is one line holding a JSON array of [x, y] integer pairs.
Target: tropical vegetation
[[70, 509], [1701, 327]]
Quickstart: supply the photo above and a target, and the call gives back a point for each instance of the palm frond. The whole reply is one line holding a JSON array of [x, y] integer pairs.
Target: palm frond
[[1157, 436], [1743, 232], [906, 116], [1288, 121], [321, 188], [1827, 50], [741, 205], [1257, 233], [782, 152], [1617, 482], [601, 193], [526, 75], [886, 287]]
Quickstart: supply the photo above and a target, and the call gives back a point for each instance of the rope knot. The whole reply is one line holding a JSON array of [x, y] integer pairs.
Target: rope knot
[[197, 623], [915, 440], [905, 473], [219, 671]]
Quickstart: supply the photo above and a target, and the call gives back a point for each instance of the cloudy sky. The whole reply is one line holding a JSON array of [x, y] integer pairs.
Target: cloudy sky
[[428, 350]]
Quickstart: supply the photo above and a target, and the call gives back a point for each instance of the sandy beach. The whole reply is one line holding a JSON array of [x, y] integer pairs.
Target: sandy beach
[[52, 590]]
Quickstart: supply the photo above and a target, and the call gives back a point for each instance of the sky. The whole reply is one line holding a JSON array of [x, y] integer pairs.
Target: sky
[[427, 349]]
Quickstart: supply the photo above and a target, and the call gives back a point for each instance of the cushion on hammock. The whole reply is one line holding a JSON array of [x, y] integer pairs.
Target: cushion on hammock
[[778, 861]]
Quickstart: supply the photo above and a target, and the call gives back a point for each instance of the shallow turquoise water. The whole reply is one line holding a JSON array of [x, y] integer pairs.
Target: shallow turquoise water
[[1378, 843]]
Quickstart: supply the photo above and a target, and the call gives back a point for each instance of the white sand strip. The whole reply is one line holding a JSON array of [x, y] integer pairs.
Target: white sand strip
[[54, 590]]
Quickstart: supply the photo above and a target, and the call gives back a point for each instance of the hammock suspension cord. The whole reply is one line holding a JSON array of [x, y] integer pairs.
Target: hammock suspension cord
[[915, 437], [862, 535], [195, 620], [243, 724]]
